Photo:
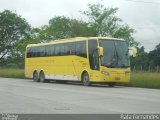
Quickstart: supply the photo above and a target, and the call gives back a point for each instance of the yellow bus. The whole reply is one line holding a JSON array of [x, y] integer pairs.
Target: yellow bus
[[84, 59]]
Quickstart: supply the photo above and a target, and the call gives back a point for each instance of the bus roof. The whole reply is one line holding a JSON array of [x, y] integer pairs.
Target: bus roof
[[71, 40]]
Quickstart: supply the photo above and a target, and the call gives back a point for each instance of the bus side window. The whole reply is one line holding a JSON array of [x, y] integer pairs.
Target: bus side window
[[70, 48], [42, 53], [47, 50], [81, 48], [57, 49], [52, 50], [66, 49], [61, 49], [32, 52], [28, 52], [37, 51]]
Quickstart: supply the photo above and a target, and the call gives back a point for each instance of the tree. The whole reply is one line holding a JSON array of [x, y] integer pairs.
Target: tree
[[105, 23], [13, 30], [64, 27], [80, 28], [42, 34], [60, 27], [154, 56], [141, 60], [101, 21]]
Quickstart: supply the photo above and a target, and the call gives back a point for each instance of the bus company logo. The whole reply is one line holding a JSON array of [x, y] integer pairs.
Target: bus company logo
[[9, 117]]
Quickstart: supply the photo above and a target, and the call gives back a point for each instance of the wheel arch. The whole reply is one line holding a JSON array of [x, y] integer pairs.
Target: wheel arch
[[41, 70], [84, 71], [34, 72]]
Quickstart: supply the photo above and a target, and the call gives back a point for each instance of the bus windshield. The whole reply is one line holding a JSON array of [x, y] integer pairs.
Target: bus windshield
[[115, 55]]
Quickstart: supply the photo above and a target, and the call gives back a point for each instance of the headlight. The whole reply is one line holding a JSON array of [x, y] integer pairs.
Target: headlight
[[105, 73], [127, 73]]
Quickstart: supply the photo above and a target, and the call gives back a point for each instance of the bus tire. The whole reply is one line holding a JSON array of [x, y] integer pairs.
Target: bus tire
[[42, 77], [35, 76], [111, 84], [85, 79]]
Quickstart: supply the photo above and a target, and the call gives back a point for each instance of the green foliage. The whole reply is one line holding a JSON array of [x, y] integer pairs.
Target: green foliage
[[144, 80], [141, 60], [11, 73], [60, 27], [146, 60], [41, 34], [138, 79], [101, 21], [16, 33], [63, 27], [105, 23], [13, 30], [154, 56]]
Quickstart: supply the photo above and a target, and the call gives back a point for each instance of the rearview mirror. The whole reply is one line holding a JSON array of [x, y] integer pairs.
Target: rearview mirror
[[100, 51], [132, 51]]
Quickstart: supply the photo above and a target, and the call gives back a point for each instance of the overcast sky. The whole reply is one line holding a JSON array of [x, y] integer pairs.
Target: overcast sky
[[142, 15]]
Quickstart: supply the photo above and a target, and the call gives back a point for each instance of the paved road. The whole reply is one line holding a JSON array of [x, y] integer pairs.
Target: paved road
[[26, 96]]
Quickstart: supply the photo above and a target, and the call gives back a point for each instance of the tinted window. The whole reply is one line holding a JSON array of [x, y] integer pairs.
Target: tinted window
[[61, 49], [32, 51], [57, 49], [66, 49], [115, 53], [37, 51], [81, 48], [52, 50], [41, 51], [48, 50], [92, 49], [28, 52], [70, 48]]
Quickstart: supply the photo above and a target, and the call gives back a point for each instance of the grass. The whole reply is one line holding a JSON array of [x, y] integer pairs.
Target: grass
[[11, 73], [144, 80], [138, 79]]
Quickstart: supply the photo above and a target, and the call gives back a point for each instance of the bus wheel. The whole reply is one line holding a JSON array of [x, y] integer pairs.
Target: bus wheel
[[35, 76], [42, 76], [85, 79], [111, 84]]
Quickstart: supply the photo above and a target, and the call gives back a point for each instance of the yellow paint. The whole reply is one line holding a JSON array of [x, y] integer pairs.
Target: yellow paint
[[73, 65]]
